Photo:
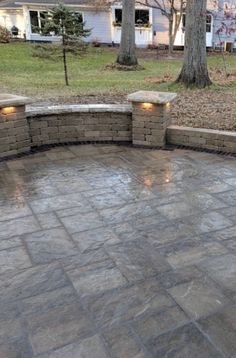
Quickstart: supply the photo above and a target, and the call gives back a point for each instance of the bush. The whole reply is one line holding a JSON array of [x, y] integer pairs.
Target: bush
[[5, 35], [47, 51]]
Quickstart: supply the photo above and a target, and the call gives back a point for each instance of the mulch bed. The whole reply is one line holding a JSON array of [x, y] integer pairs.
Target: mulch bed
[[204, 109], [192, 108]]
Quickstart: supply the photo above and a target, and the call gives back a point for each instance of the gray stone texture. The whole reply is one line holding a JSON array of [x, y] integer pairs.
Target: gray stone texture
[[146, 123], [14, 129], [110, 251]]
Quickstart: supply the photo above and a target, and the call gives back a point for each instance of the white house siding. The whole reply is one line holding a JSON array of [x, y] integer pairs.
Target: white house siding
[[160, 28], [143, 35], [101, 25], [180, 36], [13, 17]]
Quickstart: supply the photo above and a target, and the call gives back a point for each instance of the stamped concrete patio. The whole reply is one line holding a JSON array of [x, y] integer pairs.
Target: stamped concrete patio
[[109, 251]]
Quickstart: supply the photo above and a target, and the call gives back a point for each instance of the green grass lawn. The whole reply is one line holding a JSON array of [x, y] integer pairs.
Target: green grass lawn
[[23, 74]]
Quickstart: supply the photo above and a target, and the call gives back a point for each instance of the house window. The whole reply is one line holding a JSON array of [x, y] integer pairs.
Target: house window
[[34, 21], [141, 17], [43, 16], [208, 22], [118, 16], [37, 20], [183, 22]]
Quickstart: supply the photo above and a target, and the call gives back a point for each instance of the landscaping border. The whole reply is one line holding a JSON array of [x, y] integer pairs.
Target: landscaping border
[[79, 123], [217, 140], [82, 124]]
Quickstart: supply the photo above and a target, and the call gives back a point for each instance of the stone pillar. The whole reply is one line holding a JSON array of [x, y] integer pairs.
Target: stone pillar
[[150, 117], [14, 129]]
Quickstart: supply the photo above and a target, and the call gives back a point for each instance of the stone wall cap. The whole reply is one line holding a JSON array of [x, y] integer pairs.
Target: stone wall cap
[[7, 100], [34, 111], [152, 97], [201, 130]]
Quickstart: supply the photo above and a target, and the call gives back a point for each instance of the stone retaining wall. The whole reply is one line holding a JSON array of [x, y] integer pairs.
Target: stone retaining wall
[[60, 124], [14, 131], [202, 138], [20, 131], [149, 124]]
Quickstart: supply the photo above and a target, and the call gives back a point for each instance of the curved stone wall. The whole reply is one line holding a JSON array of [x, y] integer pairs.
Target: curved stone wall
[[20, 131], [79, 123]]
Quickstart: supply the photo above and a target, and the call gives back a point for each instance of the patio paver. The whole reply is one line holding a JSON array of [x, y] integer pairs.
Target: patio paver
[[123, 252]]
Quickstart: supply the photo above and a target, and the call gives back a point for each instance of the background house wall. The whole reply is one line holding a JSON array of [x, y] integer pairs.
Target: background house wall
[[98, 21], [160, 28], [13, 17], [101, 24]]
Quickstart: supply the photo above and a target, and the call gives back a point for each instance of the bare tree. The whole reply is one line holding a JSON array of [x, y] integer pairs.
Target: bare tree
[[127, 56], [173, 11], [194, 71]]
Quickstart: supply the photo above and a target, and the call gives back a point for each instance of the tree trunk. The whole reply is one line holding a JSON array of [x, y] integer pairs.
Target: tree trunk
[[194, 71], [127, 55], [171, 39], [64, 61]]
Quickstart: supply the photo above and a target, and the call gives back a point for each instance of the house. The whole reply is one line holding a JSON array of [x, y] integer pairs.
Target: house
[[151, 27]]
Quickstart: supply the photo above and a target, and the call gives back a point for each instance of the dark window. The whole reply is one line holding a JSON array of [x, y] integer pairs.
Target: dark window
[[43, 16], [208, 23], [80, 17], [183, 21], [34, 20], [118, 16], [37, 20], [141, 17]]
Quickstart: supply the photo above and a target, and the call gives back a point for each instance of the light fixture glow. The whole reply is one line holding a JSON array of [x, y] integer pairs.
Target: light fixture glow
[[8, 110], [168, 106], [147, 105], [148, 181]]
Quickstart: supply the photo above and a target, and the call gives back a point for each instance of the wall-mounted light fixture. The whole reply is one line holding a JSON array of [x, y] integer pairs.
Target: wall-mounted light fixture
[[8, 110], [147, 105], [168, 106], [149, 118]]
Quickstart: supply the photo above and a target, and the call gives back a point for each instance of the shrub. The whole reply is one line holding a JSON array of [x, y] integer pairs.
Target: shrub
[[5, 35], [96, 43]]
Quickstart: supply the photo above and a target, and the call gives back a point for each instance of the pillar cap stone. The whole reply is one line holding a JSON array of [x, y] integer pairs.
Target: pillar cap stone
[[152, 97], [9, 100]]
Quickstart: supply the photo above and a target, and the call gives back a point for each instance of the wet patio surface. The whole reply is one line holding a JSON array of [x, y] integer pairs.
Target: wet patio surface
[[109, 251]]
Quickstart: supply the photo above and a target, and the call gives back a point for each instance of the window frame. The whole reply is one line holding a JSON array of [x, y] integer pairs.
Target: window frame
[[45, 11], [119, 22], [208, 23]]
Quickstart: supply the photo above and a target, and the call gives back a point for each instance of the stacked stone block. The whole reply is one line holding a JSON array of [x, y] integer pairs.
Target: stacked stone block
[[149, 124], [83, 125], [150, 117], [202, 138], [146, 123], [14, 130]]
